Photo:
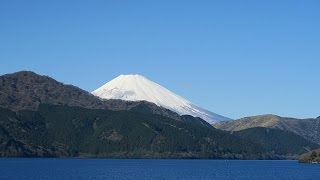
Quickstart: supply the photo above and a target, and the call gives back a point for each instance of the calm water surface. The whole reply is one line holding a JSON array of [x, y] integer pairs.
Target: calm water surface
[[96, 169]]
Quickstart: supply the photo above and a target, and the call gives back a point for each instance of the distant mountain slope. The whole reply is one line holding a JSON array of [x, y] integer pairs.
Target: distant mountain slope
[[306, 128], [63, 131], [137, 88], [249, 122], [277, 141]]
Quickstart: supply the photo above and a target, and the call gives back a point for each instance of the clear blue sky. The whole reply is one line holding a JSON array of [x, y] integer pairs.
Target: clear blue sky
[[235, 58]]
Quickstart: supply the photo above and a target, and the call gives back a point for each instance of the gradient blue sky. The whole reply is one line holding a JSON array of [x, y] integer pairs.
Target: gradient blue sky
[[235, 58]]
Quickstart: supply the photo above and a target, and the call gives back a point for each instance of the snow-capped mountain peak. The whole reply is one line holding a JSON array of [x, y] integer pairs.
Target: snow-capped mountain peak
[[139, 88]]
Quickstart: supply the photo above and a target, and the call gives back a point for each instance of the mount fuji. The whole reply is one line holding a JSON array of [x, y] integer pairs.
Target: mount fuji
[[139, 88]]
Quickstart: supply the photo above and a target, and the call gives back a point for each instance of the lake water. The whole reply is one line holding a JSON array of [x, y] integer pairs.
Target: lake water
[[96, 169]]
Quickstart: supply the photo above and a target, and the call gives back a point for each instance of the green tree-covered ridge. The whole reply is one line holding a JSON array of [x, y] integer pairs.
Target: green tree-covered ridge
[[64, 131]]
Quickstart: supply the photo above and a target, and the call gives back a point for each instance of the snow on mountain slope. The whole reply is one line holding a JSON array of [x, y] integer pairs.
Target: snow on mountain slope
[[138, 88]]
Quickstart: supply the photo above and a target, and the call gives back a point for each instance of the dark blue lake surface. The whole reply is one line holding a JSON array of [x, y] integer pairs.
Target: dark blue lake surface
[[96, 169]]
